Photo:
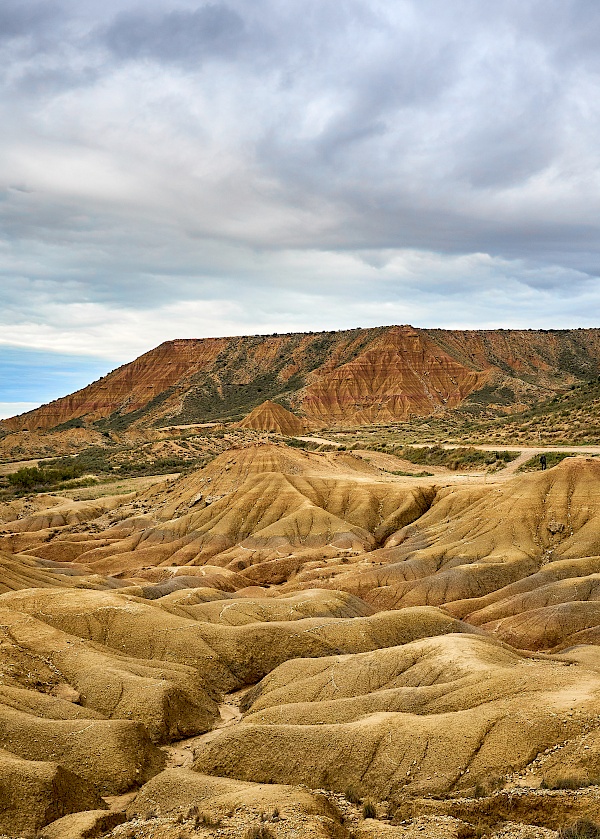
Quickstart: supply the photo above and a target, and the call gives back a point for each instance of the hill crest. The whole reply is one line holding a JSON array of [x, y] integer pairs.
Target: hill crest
[[349, 377]]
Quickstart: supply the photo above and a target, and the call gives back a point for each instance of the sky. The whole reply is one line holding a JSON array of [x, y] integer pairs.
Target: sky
[[183, 169]]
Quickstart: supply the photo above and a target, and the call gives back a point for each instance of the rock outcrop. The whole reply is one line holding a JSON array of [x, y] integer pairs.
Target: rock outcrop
[[357, 376]]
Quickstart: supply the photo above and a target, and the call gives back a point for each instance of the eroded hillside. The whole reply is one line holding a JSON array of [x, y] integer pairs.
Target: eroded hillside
[[352, 377], [306, 644]]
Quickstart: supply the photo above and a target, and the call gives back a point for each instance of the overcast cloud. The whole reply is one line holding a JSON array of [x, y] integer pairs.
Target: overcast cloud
[[183, 169]]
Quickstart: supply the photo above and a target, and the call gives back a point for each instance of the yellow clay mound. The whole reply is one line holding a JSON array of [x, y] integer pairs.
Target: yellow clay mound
[[66, 512], [553, 626], [270, 515], [92, 823], [34, 793], [174, 790], [275, 418], [241, 611], [113, 755], [528, 813], [487, 552], [473, 542], [20, 572], [169, 699], [227, 657], [433, 716]]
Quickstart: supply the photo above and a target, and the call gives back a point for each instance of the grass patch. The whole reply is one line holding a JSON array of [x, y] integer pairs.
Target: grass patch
[[570, 783], [582, 829], [552, 459], [458, 458], [306, 445]]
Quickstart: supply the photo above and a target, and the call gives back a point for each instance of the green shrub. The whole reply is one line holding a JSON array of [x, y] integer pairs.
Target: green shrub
[[462, 457], [32, 477]]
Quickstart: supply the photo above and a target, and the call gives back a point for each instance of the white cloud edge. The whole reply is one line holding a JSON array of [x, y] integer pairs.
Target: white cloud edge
[[11, 409]]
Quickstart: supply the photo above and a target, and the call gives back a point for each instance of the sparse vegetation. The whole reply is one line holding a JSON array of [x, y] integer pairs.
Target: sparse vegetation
[[206, 820], [552, 459], [259, 831], [456, 458], [409, 474], [570, 782], [353, 796], [582, 829], [369, 811], [570, 417]]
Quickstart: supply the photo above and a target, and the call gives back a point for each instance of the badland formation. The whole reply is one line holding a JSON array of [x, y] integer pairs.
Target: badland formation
[[307, 585]]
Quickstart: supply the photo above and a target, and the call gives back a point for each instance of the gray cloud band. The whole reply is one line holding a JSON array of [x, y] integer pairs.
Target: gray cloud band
[[175, 144]]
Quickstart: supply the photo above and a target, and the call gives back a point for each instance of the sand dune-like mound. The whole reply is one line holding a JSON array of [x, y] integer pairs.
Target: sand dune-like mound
[[228, 471], [110, 754], [269, 505], [474, 542], [228, 657], [17, 572], [273, 417], [516, 813], [87, 825], [240, 611], [64, 513], [432, 716], [267, 515], [279, 583], [170, 700], [34, 793], [175, 789], [238, 807]]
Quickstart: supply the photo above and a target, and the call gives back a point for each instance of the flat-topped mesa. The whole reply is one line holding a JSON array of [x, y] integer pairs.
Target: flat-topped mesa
[[273, 417], [353, 377]]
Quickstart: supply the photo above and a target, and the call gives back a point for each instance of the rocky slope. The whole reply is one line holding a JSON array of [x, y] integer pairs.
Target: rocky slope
[[355, 376]]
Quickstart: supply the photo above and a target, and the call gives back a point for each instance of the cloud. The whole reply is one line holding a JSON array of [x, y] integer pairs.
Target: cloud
[[189, 168], [20, 19], [185, 36], [12, 409], [376, 287]]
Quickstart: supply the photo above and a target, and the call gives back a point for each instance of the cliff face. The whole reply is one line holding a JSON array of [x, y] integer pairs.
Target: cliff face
[[357, 376], [402, 373]]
